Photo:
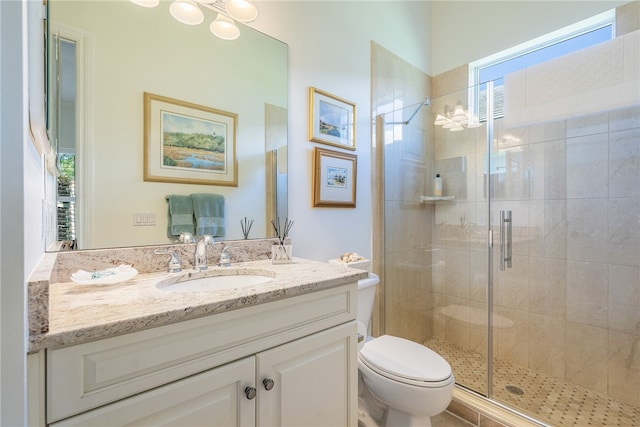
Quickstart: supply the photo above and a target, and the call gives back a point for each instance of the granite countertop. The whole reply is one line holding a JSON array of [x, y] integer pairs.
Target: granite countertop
[[79, 313]]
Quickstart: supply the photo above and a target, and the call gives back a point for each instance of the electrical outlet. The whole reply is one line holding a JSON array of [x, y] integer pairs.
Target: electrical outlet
[[144, 218]]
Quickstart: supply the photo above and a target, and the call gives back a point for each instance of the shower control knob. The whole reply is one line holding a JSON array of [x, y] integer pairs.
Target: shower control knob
[[250, 392], [268, 383]]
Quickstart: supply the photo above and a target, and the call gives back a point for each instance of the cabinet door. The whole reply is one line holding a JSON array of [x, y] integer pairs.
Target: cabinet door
[[212, 398], [315, 381]]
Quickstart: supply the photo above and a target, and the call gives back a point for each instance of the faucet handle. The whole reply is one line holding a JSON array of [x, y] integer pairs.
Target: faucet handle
[[225, 258], [175, 263], [207, 239]]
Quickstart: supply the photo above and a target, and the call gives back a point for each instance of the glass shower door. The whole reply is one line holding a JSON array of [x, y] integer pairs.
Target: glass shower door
[[460, 239]]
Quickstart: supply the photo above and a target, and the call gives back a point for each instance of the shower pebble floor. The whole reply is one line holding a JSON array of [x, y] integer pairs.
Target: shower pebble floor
[[551, 400]]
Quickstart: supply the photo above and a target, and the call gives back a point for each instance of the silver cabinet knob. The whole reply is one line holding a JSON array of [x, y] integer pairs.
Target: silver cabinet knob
[[250, 392], [268, 383]]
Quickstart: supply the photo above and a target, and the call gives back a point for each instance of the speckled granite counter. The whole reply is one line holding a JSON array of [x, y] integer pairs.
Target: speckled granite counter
[[78, 313]]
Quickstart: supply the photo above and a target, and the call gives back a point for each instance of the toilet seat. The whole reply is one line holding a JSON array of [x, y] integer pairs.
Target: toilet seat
[[406, 361]]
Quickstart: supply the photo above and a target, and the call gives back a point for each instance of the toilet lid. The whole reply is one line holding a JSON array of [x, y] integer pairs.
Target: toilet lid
[[405, 359]]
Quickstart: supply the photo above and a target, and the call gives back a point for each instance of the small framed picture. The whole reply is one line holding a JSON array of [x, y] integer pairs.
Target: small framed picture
[[332, 120], [188, 143], [334, 179]]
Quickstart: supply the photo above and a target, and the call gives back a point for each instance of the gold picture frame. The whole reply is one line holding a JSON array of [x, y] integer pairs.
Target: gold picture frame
[[332, 120], [334, 179], [188, 143]]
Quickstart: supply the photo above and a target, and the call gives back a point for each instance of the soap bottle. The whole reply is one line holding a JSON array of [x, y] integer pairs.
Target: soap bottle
[[437, 186]]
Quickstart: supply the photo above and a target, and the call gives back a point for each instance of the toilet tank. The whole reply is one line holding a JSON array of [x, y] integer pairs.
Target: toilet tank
[[366, 296]]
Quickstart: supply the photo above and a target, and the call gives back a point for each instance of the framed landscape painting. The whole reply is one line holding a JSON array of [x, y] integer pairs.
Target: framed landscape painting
[[188, 143], [334, 179], [332, 120]]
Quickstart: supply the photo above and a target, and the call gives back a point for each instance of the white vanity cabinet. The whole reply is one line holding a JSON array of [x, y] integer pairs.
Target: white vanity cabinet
[[289, 362]]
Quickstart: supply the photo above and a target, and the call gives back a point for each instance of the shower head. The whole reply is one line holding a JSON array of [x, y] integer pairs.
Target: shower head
[[426, 101]]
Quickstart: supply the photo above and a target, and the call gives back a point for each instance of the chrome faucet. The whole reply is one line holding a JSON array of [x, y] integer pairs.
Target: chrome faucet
[[201, 251], [175, 263]]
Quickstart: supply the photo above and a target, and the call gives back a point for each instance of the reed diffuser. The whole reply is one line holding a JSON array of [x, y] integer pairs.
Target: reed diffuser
[[281, 253], [246, 227]]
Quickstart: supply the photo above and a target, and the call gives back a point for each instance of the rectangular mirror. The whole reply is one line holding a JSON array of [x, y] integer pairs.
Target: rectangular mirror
[[103, 57]]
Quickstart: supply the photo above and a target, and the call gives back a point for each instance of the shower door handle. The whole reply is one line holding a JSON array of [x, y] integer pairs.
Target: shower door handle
[[506, 233]]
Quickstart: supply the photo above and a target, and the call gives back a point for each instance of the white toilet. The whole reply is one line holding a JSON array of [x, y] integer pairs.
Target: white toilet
[[414, 382]]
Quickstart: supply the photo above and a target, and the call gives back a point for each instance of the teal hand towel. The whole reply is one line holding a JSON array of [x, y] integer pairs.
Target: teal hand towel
[[208, 210], [180, 215]]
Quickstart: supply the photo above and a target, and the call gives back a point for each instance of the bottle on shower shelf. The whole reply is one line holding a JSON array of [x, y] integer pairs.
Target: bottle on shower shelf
[[437, 186]]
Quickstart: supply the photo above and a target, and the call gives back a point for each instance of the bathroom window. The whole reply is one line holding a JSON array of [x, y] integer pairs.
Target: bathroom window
[[578, 36], [66, 200]]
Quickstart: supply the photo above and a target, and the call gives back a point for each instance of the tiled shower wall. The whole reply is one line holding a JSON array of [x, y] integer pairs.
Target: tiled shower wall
[[403, 164], [570, 305], [571, 302]]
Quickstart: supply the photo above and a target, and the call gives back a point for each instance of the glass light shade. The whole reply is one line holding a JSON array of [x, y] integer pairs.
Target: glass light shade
[[450, 124], [146, 3], [241, 10], [456, 128], [441, 120], [458, 114], [186, 12], [224, 28]]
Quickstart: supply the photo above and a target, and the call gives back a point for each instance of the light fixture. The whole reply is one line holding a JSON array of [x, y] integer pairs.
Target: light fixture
[[456, 119], [189, 12], [186, 12], [224, 28], [242, 10]]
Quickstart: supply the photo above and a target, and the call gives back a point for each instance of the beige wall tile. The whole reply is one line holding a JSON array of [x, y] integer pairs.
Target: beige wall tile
[[547, 345], [624, 163], [587, 293], [627, 18], [586, 356], [547, 288], [624, 299], [624, 367], [587, 234]]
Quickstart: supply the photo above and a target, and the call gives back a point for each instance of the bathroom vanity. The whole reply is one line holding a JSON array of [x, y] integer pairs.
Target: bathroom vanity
[[282, 352]]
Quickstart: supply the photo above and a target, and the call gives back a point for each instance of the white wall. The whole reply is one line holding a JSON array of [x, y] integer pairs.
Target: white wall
[[19, 249], [329, 48]]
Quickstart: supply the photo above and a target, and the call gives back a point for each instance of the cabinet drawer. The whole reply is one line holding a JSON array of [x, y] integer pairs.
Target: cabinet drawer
[[212, 398], [85, 376]]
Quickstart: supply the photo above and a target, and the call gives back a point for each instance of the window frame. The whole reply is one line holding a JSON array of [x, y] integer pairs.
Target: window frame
[[578, 29]]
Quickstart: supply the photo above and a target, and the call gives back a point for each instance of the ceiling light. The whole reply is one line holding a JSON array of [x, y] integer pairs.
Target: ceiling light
[[241, 10], [186, 12], [456, 119], [224, 28]]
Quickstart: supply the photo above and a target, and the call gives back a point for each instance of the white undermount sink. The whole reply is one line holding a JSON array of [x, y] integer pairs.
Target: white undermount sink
[[227, 280]]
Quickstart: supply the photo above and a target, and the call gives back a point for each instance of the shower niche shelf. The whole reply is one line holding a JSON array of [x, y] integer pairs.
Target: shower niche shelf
[[437, 199]]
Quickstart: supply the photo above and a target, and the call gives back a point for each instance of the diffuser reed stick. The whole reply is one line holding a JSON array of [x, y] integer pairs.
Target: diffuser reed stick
[[282, 231], [246, 227]]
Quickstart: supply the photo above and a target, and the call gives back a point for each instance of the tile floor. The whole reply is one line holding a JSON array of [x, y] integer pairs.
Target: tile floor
[[548, 399]]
